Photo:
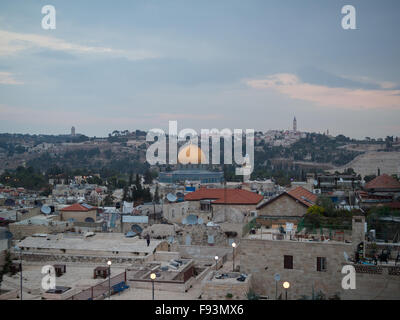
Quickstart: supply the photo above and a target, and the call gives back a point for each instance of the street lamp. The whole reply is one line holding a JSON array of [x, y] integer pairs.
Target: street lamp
[[286, 285], [16, 248], [233, 255], [153, 276], [216, 262], [109, 279]]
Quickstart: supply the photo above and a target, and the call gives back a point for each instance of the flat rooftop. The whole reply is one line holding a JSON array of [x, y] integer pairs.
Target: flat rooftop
[[272, 234], [98, 242], [41, 220], [77, 277]]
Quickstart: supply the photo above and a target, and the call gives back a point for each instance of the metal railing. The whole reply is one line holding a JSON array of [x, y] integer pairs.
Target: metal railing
[[99, 290]]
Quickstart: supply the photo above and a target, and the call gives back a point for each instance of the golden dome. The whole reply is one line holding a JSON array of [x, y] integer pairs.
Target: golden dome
[[191, 154]]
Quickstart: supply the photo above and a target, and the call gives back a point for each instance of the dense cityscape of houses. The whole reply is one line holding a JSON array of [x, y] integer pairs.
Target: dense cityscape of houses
[[204, 239]]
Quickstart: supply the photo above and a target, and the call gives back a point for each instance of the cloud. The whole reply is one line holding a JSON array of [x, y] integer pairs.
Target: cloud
[[367, 80], [13, 42], [7, 78], [291, 86]]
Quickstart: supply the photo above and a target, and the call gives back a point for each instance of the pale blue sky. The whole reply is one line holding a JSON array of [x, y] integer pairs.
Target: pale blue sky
[[236, 64]]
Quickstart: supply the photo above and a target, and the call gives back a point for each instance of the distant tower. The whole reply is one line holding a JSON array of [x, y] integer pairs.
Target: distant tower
[[294, 124], [73, 131]]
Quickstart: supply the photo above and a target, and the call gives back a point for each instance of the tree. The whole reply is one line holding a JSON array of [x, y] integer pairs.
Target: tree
[[327, 204], [108, 200], [148, 177], [314, 216]]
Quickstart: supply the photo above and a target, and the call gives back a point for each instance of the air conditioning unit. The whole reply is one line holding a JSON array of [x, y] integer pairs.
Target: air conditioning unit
[[253, 214], [317, 191]]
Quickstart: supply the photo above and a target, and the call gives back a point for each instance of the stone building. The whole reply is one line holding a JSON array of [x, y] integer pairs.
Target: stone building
[[311, 266], [98, 248], [223, 205], [286, 207], [79, 212], [38, 225], [383, 190]]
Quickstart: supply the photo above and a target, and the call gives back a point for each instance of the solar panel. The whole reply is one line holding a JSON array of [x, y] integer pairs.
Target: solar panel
[[87, 206]]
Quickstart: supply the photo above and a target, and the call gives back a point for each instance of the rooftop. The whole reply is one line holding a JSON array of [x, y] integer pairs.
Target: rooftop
[[383, 181], [225, 196], [98, 242], [79, 207], [304, 196], [299, 194]]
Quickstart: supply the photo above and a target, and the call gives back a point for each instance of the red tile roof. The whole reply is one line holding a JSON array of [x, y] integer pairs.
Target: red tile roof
[[383, 182], [78, 207], [225, 196], [303, 195]]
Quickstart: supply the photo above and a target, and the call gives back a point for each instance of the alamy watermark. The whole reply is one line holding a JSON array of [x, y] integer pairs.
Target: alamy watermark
[[49, 20], [157, 152]]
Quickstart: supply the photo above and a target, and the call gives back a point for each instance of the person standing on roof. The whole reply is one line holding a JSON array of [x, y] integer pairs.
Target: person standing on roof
[[147, 237]]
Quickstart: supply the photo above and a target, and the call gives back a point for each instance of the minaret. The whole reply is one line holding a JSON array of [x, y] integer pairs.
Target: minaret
[[73, 131], [294, 124]]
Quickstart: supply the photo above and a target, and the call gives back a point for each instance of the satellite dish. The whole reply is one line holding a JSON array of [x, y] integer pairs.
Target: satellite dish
[[45, 210], [137, 229], [315, 182], [171, 197], [130, 234]]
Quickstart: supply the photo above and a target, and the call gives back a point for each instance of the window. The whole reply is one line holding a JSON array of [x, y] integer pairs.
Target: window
[[288, 262], [321, 264], [205, 205]]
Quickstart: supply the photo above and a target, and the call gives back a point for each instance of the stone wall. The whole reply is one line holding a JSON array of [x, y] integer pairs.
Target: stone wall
[[218, 289], [102, 260], [204, 253], [283, 206], [20, 231], [264, 258], [78, 216]]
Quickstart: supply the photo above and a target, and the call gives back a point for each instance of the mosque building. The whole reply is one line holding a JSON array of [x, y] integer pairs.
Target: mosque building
[[191, 161]]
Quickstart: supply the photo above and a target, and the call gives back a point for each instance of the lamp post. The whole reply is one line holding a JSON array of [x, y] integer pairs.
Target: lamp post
[[286, 285], [153, 276], [233, 256], [20, 268], [109, 279], [216, 262]]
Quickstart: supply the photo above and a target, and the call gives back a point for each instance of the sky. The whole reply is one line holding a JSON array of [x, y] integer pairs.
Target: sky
[[137, 64]]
